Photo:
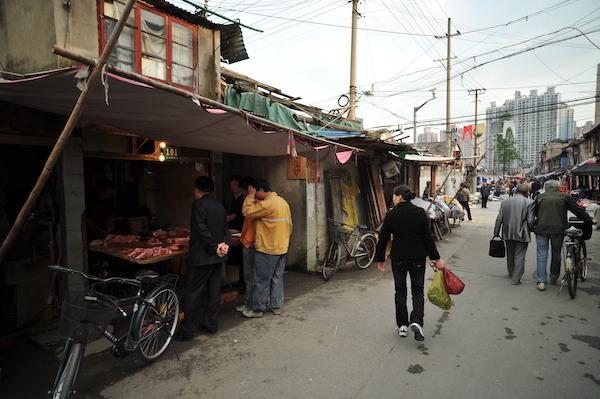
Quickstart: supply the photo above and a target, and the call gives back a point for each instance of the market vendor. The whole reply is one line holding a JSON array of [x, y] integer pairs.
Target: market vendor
[[100, 210], [235, 218]]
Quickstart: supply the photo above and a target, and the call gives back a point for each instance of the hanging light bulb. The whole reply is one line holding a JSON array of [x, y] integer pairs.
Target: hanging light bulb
[[163, 145], [161, 158]]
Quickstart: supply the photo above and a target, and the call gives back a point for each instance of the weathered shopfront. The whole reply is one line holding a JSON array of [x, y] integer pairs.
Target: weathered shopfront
[[124, 147]]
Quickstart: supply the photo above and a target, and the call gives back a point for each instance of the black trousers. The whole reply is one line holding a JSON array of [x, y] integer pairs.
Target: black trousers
[[416, 270], [202, 281], [484, 200], [465, 204]]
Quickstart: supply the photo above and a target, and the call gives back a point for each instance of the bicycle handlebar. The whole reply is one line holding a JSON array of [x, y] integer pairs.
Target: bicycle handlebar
[[121, 280]]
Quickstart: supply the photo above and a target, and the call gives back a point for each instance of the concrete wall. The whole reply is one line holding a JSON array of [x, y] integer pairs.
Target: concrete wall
[[27, 33], [209, 63], [77, 28], [274, 170]]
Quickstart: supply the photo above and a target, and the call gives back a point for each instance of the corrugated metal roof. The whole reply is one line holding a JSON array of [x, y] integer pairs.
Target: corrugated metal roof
[[232, 44]]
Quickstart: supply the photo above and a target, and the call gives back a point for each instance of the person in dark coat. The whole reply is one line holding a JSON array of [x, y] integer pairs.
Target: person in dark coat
[[209, 244], [411, 245], [551, 222], [485, 190]]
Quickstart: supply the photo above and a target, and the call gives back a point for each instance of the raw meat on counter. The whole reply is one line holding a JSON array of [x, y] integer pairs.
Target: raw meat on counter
[[153, 241], [159, 233], [120, 239], [147, 253], [181, 242]]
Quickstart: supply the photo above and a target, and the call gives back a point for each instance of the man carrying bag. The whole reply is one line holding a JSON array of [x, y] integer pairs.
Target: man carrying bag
[[516, 218]]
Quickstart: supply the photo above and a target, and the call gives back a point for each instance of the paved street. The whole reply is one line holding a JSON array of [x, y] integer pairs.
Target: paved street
[[337, 340]]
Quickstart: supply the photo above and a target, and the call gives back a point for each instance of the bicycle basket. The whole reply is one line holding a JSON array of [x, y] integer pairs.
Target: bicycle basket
[[83, 319]]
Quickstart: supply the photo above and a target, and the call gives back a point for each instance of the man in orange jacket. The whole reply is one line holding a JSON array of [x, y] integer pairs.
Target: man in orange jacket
[[273, 230]]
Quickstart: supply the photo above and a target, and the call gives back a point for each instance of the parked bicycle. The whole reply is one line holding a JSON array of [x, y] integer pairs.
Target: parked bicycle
[[349, 242], [575, 255], [87, 314]]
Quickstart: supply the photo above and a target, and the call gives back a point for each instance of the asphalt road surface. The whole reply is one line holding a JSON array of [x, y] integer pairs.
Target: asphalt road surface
[[338, 340]]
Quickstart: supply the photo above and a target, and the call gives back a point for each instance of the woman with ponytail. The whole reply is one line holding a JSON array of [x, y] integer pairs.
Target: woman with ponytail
[[412, 243]]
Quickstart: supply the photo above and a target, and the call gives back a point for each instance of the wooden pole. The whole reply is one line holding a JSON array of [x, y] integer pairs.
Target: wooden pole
[[65, 134]]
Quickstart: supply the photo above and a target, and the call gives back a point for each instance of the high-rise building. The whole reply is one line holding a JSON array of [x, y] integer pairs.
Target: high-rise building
[[535, 119], [566, 122], [428, 136]]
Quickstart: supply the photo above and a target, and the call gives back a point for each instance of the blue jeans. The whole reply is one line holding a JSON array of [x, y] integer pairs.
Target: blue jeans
[[268, 280], [543, 243], [248, 258]]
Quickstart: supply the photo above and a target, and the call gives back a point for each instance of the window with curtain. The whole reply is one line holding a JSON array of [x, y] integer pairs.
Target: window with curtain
[[183, 55], [123, 56], [153, 44]]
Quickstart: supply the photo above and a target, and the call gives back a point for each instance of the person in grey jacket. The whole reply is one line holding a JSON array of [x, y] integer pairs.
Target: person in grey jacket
[[516, 218]]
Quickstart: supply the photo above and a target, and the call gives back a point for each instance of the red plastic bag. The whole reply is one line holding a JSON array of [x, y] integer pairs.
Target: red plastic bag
[[453, 284]]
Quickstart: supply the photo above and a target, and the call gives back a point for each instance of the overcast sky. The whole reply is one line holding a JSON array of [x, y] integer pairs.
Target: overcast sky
[[312, 61]]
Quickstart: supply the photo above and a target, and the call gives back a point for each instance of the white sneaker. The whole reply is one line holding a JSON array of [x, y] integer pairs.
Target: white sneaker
[[418, 331], [242, 308], [541, 286], [403, 331]]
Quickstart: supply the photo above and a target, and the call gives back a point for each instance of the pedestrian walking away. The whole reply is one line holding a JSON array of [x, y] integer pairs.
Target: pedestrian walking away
[[412, 243], [463, 196], [273, 230], [209, 244], [514, 224], [551, 222], [485, 190]]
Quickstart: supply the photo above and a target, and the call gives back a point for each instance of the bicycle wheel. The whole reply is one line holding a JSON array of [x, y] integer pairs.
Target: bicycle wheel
[[65, 379], [583, 264], [365, 251], [332, 261], [158, 322]]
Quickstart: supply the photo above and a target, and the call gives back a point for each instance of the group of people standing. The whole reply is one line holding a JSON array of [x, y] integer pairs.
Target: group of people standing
[[266, 226], [546, 216]]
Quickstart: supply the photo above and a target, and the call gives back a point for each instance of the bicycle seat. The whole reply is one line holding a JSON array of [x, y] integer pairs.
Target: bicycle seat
[[145, 274], [573, 232]]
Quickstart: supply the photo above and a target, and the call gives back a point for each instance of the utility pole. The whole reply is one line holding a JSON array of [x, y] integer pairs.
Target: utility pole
[[353, 100], [448, 66], [448, 36], [475, 133], [415, 109]]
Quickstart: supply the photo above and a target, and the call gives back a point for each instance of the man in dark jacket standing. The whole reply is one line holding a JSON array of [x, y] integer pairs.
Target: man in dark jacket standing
[[412, 244], [209, 244], [551, 222], [485, 190]]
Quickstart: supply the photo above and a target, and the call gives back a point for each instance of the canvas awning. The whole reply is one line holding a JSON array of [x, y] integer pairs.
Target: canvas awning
[[183, 120], [588, 168], [423, 158]]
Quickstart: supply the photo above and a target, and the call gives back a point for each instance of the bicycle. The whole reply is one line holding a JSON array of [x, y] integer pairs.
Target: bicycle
[[87, 314], [575, 257], [359, 243]]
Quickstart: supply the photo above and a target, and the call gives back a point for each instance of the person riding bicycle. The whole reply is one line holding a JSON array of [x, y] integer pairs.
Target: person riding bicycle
[[411, 245], [551, 222]]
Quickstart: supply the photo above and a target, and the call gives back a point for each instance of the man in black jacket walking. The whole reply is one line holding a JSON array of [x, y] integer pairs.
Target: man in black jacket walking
[[412, 243], [209, 244]]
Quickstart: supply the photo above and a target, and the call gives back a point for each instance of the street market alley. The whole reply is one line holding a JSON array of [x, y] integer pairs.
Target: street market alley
[[338, 340]]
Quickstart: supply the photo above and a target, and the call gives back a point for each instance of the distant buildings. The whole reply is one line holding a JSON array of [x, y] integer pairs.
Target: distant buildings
[[538, 119], [581, 130], [428, 136], [566, 122]]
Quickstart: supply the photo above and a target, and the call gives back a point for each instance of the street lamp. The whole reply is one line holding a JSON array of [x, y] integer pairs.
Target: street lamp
[[415, 109]]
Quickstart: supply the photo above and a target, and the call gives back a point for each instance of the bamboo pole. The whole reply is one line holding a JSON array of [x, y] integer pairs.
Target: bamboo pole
[[65, 134]]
